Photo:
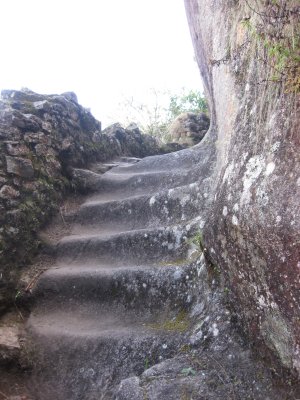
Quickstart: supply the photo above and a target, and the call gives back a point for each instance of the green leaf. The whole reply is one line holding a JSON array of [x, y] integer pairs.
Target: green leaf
[[18, 294]]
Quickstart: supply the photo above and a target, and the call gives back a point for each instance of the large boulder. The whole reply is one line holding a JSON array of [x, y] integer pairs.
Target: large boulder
[[253, 229], [189, 128]]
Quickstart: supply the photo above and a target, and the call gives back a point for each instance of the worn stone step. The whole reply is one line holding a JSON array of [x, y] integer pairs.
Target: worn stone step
[[141, 288], [144, 245], [182, 160], [79, 353], [94, 319], [167, 207], [124, 184], [120, 295]]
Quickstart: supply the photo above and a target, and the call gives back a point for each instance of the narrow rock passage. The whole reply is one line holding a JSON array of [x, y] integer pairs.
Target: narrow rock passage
[[130, 309]]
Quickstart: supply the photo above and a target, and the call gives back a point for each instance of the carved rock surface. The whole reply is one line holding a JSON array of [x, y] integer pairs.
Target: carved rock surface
[[253, 229], [130, 309]]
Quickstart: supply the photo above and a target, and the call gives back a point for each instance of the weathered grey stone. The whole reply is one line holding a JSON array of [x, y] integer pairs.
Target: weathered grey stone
[[16, 148], [66, 143], [84, 179], [43, 105], [129, 389], [9, 344], [26, 122], [131, 141], [254, 224], [171, 147], [189, 128], [70, 96], [23, 95], [19, 166], [7, 192], [47, 127], [9, 133], [134, 307], [37, 137], [2, 180]]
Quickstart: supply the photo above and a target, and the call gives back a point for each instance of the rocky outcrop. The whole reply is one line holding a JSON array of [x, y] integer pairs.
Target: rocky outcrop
[[41, 139], [132, 141], [130, 308], [253, 229], [189, 128]]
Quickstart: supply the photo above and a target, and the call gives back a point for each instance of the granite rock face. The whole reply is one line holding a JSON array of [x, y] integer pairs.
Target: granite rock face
[[253, 229], [42, 137]]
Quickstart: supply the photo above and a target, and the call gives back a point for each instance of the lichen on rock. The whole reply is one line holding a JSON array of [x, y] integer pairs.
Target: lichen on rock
[[254, 222]]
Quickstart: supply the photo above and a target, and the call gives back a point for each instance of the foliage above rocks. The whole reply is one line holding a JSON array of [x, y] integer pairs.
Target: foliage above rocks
[[275, 26], [163, 107]]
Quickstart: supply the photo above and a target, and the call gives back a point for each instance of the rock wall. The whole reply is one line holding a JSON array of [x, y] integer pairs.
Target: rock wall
[[41, 139], [253, 231]]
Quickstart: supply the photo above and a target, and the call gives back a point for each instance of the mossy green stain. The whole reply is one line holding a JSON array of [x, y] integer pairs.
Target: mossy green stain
[[180, 323]]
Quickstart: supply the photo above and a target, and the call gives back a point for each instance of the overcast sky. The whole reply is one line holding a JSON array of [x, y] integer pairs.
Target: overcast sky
[[100, 49]]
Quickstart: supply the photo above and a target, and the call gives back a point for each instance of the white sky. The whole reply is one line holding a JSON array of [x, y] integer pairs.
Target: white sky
[[100, 49]]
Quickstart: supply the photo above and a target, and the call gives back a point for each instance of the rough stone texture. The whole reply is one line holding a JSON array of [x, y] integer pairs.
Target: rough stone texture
[[131, 141], [7, 192], [170, 147], [131, 307], [253, 230], [189, 128], [140, 295], [9, 344], [19, 166], [130, 389], [41, 138]]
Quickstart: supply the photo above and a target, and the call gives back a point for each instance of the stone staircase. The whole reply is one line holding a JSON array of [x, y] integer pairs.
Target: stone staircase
[[130, 309]]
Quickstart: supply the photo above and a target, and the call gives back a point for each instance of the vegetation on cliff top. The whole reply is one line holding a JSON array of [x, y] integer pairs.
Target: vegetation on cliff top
[[155, 117], [278, 30]]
